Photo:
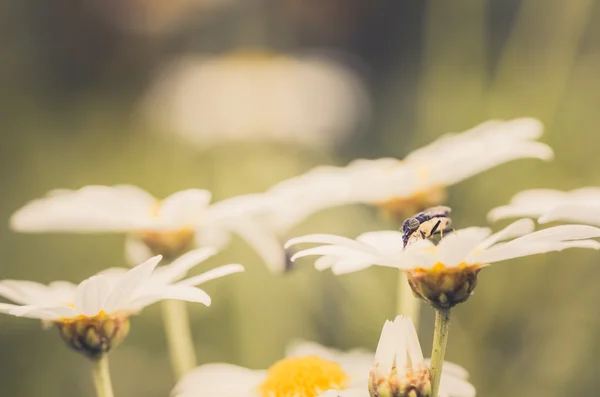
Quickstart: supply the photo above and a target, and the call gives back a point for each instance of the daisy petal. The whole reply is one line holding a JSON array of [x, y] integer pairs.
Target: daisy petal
[[179, 267], [176, 292], [91, 295], [455, 247], [215, 380], [185, 207], [265, 243], [573, 213], [329, 239], [127, 285], [515, 229], [44, 312], [212, 274]]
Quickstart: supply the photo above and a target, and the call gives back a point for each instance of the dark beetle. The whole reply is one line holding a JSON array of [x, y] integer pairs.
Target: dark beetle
[[434, 220]]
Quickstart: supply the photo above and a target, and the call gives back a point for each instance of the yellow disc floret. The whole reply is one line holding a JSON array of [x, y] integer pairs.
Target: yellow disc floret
[[303, 377]]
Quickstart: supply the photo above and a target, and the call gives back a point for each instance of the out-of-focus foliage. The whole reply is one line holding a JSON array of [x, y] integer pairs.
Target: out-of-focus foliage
[[72, 80]]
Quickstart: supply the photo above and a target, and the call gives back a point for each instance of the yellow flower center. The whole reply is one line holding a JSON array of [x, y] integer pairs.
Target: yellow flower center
[[408, 206], [303, 377]]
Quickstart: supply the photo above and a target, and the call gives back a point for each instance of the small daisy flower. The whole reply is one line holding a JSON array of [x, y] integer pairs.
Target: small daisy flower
[[405, 187], [93, 317], [311, 370], [577, 205], [270, 95], [169, 227], [400, 370], [445, 274]]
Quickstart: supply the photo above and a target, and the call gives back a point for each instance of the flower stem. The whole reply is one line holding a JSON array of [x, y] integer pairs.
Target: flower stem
[[407, 305], [102, 377], [440, 340], [179, 337]]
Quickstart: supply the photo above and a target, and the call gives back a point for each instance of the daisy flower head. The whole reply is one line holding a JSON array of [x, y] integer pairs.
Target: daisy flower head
[[270, 95], [444, 274], [170, 227], [399, 369], [402, 188], [312, 370], [578, 205], [93, 316]]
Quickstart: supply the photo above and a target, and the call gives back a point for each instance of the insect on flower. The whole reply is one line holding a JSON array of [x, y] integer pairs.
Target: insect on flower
[[432, 221]]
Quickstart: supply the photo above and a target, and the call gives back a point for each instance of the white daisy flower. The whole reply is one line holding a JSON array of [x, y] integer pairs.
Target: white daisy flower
[[310, 100], [577, 205], [399, 368], [169, 227], [94, 316], [406, 187], [311, 370], [444, 274]]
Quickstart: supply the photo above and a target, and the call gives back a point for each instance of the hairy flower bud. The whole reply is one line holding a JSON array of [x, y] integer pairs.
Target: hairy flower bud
[[94, 336], [444, 287]]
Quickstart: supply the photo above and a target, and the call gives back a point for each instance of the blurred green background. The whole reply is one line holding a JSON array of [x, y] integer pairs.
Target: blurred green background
[[72, 74]]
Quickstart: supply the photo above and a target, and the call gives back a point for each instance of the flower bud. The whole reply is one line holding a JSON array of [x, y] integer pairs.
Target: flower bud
[[407, 383], [94, 336], [444, 287]]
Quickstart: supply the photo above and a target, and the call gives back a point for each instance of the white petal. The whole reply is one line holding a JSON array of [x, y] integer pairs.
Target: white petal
[[215, 380], [324, 262], [212, 274], [91, 295], [415, 354], [509, 251], [386, 348], [455, 386], [44, 312], [573, 213], [184, 208], [451, 369], [559, 233], [265, 243], [176, 270], [136, 251], [333, 250], [23, 292], [388, 241], [330, 239], [89, 209], [515, 229], [455, 247], [126, 287], [175, 292]]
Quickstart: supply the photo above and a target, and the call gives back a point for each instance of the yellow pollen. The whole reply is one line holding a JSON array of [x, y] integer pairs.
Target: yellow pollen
[[441, 268], [100, 316], [303, 377], [420, 200]]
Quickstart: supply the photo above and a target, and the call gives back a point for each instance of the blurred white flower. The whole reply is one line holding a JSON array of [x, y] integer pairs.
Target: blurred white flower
[[256, 96], [444, 274], [168, 227], [400, 187], [93, 316], [310, 370], [399, 366], [579, 205], [406, 187]]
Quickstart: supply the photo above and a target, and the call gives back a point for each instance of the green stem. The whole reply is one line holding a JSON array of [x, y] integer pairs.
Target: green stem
[[407, 305], [179, 337], [102, 377], [440, 340]]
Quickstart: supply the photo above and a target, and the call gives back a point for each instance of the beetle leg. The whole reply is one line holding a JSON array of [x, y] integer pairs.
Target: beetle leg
[[435, 228]]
